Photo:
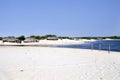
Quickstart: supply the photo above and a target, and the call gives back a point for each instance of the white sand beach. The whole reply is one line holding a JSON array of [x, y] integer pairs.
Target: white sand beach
[[46, 63], [50, 42]]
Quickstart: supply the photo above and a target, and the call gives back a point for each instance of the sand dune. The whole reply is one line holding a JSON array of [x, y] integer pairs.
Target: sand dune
[[45, 63], [48, 42]]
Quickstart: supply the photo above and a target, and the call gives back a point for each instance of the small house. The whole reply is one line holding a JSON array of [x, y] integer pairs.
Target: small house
[[28, 40], [52, 38], [10, 39], [99, 38]]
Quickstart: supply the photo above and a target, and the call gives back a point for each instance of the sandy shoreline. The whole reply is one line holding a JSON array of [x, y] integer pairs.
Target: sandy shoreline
[[47, 43], [46, 63]]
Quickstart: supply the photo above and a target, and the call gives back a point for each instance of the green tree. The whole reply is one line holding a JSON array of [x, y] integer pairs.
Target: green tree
[[21, 38], [1, 38], [32, 36], [115, 37], [50, 35]]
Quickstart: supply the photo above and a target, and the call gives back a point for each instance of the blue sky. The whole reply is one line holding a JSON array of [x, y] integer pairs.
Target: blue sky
[[60, 17]]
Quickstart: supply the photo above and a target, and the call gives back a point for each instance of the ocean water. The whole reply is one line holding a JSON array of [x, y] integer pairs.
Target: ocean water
[[112, 45]]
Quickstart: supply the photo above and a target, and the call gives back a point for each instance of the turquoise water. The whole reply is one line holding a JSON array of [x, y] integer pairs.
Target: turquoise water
[[112, 45]]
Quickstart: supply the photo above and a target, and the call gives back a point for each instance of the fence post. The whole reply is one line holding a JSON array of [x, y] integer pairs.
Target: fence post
[[99, 46], [91, 46], [108, 48]]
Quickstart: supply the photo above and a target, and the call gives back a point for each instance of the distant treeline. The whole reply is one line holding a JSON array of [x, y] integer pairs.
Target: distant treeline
[[114, 37], [111, 37], [22, 37]]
